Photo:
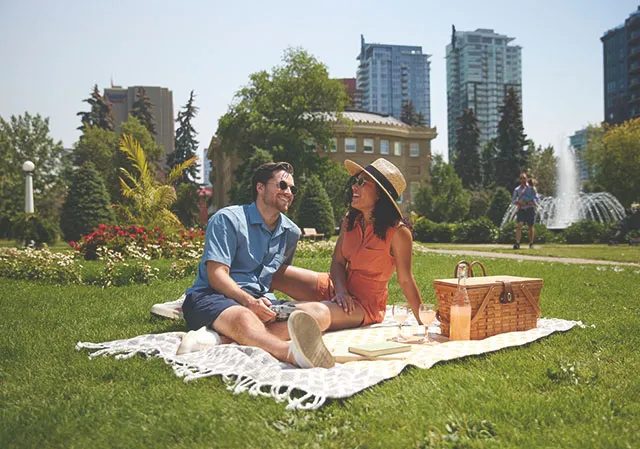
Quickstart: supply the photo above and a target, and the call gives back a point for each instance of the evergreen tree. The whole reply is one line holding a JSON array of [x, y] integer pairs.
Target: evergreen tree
[[142, 110], [87, 205], [408, 113], [334, 180], [479, 205], [315, 210], [420, 119], [187, 205], [100, 114], [467, 156], [543, 167], [499, 204], [186, 145], [242, 193], [511, 157], [444, 199], [488, 156]]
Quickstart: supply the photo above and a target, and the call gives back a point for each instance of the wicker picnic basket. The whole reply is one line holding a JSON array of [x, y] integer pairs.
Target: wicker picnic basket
[[498, 303]]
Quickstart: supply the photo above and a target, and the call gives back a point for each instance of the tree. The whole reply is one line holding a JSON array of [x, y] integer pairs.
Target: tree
[[479, 204], [543, 167], [242, 192], [100, 147], [87, 204], [135, 128], [314, 210], [100, 114], [187, 204], [488, 156], [614, 152], [287, 112], [467, 155], [334, 180], [27, 138], [408, 113], [511, 157], [444, 200], [186, 145], [142, 110], [148, 200], [500, 201]]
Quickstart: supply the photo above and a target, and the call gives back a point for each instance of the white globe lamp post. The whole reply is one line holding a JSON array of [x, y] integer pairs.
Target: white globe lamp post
[[28, 168]]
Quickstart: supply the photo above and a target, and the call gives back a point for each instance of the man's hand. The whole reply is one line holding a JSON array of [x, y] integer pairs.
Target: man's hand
[[260, 306], [344, 300]]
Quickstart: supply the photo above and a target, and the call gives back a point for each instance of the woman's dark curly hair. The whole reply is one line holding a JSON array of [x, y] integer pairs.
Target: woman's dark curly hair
[[384, 215]]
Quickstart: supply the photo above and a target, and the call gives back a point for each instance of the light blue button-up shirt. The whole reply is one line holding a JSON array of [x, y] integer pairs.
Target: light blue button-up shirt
[[238, 238]]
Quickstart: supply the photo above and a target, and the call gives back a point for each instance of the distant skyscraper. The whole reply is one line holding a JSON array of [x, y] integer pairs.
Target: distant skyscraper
[[621, 57], [579, 144], [122, 100], [206, 171], [481, 67], [389, 75]]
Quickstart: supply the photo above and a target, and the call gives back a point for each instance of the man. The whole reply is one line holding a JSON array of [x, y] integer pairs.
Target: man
[[525, 198], [230, 298]]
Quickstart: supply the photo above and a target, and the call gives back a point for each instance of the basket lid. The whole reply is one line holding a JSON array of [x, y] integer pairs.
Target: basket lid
[[483, 281]]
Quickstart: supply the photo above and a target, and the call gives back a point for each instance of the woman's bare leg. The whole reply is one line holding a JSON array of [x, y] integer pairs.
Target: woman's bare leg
[[298, 283]]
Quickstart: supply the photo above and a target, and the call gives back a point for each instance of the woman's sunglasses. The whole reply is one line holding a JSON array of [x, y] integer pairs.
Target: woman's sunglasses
[[359, 181], [284, 186]]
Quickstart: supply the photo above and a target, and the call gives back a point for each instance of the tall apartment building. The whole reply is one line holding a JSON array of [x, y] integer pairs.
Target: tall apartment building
[[122, 99], [621, 58], [390, 75], [481, 67]]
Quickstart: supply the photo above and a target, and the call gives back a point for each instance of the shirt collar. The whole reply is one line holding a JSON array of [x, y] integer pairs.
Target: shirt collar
[[256, 219]]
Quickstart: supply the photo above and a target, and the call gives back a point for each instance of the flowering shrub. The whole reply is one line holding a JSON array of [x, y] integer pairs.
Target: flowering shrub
[[39, 264], [308, 248], [136, 242], [183, 268]]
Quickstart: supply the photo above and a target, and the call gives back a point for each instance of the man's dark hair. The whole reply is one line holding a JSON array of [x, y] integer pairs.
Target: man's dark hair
[[265, 172], [384, 214]]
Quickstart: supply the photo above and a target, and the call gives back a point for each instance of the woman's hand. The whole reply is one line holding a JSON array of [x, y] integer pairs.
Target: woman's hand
[[345, 301]]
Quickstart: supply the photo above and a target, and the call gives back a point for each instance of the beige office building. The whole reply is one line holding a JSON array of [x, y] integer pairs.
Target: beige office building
[[122, 99], [364, 138]]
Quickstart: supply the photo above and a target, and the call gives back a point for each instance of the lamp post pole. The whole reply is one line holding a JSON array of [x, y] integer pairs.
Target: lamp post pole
[[28, 168]]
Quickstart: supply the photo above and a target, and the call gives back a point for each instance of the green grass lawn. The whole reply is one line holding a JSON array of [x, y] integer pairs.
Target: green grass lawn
[[578, 389], [618, 253]]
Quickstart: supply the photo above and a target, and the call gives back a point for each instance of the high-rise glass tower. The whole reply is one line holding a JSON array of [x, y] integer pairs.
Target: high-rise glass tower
[[481, 67], [390, 75], [621, 60]]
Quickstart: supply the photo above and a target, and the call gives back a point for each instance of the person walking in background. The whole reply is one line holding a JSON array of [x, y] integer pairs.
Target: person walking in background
[[525, 197]]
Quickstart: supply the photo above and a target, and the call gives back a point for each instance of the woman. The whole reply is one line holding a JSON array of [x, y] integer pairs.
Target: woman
[[374, 241]]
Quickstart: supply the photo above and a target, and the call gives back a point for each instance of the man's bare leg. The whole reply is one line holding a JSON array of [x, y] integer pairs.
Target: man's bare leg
[[531, 234], [244, 327], [518, 232]]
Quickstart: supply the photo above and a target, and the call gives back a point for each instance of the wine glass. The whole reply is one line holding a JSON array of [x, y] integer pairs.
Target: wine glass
[[427, 314], [400, 314]]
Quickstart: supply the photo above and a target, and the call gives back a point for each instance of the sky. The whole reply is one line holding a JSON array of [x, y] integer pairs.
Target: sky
[[52, 53]]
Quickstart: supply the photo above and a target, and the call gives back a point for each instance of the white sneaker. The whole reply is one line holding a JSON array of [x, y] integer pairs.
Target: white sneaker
[[171, 310], [306, 345], [198, 340]]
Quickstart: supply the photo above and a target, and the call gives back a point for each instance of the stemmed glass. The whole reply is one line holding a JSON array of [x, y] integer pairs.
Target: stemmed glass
[[400, 314], [427, 314]]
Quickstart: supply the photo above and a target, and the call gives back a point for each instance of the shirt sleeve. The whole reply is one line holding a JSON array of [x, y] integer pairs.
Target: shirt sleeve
[[293, 235], [221, 240], [515, 196]]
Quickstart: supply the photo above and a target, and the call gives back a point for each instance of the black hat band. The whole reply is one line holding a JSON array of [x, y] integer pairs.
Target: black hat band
[[384, 182]]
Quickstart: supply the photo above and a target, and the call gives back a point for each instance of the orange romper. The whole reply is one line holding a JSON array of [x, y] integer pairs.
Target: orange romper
[[370, 265]]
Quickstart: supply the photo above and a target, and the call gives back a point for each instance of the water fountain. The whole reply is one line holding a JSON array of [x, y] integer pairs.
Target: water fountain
[[571, 205]]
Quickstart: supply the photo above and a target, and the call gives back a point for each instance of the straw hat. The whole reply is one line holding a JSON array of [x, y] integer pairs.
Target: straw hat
[[385, 174]]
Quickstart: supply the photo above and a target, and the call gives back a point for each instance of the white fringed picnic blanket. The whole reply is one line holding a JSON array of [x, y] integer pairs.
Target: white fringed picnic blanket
[[254, 370]]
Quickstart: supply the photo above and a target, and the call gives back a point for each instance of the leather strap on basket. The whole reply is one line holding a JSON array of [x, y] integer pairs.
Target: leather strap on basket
[[507, 296], [532, 301]]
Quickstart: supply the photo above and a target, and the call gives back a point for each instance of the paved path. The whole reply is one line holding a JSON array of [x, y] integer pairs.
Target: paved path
[[472, 252]]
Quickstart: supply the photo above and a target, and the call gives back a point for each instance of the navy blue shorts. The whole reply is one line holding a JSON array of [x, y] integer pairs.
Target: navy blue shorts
[[527, 216], [203, 307]]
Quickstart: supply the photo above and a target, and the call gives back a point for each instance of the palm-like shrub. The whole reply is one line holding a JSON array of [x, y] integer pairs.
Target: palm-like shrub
[[146, 201]]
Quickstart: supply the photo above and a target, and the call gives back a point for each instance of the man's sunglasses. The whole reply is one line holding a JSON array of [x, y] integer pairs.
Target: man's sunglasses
[[284, 186]]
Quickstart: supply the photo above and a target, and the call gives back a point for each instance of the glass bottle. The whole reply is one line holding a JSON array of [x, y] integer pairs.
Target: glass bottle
[[460, 318]]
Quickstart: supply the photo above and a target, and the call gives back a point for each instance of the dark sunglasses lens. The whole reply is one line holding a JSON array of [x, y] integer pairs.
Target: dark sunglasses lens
[[284, 186], [361, 181]]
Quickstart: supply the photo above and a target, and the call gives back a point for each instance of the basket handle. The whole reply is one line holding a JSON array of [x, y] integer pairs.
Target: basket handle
[[475, 262], [463, 262]]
